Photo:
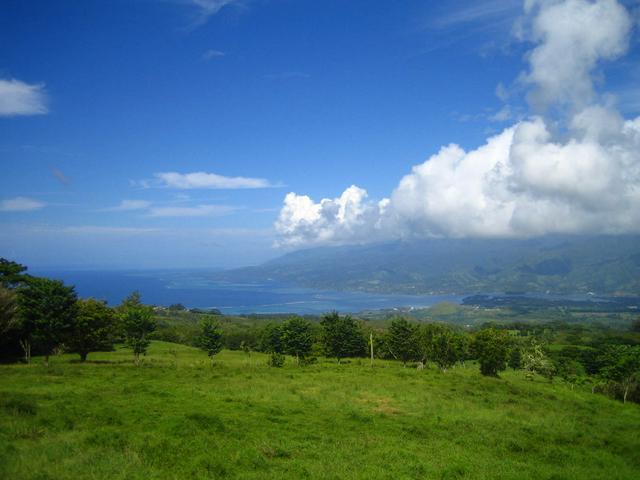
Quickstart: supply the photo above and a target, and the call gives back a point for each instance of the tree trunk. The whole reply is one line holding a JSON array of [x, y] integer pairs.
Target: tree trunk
[[136, 359], [26, 347], [626, 392], [371, 343], [46, 360]]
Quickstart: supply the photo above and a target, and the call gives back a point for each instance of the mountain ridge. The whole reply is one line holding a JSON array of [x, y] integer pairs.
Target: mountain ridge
[[608, 265]]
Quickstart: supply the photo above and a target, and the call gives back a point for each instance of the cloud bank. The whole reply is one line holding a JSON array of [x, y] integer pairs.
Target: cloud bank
[[576, 173], [19, 98]]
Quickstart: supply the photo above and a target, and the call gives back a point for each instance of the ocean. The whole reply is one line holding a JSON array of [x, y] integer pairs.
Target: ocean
[[194, 290]]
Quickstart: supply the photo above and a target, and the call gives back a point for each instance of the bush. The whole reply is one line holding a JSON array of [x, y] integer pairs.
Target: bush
[[276, 360]]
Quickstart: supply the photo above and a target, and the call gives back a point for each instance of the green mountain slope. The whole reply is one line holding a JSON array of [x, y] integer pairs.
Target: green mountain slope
[[607, 265]]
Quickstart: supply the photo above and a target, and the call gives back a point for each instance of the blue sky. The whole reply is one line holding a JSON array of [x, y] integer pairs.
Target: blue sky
[[102, 99]]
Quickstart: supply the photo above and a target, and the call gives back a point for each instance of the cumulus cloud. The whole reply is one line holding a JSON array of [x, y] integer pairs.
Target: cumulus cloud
[[20, 204], [19, 98], [532, 179], [349, 217], [573, 36], [208, 180]]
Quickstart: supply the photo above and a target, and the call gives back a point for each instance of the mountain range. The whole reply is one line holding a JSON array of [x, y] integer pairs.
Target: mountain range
[[603, 265]]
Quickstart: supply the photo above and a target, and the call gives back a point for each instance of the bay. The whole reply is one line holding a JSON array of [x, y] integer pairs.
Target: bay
[[194, 289]]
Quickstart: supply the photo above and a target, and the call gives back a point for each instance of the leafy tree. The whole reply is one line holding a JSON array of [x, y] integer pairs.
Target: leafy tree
[[271, 339], [622, 365], [48, 310], [492, 349], [210, 339], [297, 338], [444, 350], [94, 329], [341, 336], [534, 360], [425, 337], [401, 340], [515, 358], [137, 324], [12, 273], [8, 310]]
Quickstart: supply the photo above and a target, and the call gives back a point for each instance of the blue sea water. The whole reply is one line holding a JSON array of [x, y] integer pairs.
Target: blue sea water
[[194, 290]]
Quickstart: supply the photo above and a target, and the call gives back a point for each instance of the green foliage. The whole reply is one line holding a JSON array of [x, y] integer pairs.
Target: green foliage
[[401, 340], [622, 365], [276, 360], [515, 357], [8, 310], [137, 324], [296, 337], [12, 273], [271, 339], [445, 350], [492, 350], [177, 307], [94, 329], [535, 360], [342, 336], [47, 310], [210, 339]]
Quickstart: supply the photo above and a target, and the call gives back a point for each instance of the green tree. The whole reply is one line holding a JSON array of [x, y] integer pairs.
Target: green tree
[[210, 339], [425, 338], [94, 329], [8, 310], [515, 357], [297, 338], [341, 336], [535, 360], [271, 339], [47, 310], [402, 341], [622, 366], [12, 273], [444, 350], [137, 324], [492, 350]]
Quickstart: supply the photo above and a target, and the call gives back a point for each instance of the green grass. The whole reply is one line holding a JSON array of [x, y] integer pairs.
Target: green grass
[[177, 417]]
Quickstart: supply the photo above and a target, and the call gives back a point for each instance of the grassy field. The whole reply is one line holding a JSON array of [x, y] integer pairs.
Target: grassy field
[[176, 417]]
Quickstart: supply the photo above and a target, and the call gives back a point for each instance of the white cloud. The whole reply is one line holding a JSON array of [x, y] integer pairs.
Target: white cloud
[[488, 12], [195, 211], [211, 54], [20, 204], [128, 205], [19, 98], [528, 180], [350, 217], [205, 9], [208, 180], [573, 36]]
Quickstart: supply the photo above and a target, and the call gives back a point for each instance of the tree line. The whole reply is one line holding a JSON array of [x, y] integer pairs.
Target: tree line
[[43, 316]]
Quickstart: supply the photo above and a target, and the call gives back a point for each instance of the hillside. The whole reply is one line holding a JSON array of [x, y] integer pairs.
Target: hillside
[[177, 417], [605, 265]]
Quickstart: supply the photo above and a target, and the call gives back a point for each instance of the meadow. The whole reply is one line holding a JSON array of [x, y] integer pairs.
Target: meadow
[[176, 417]]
